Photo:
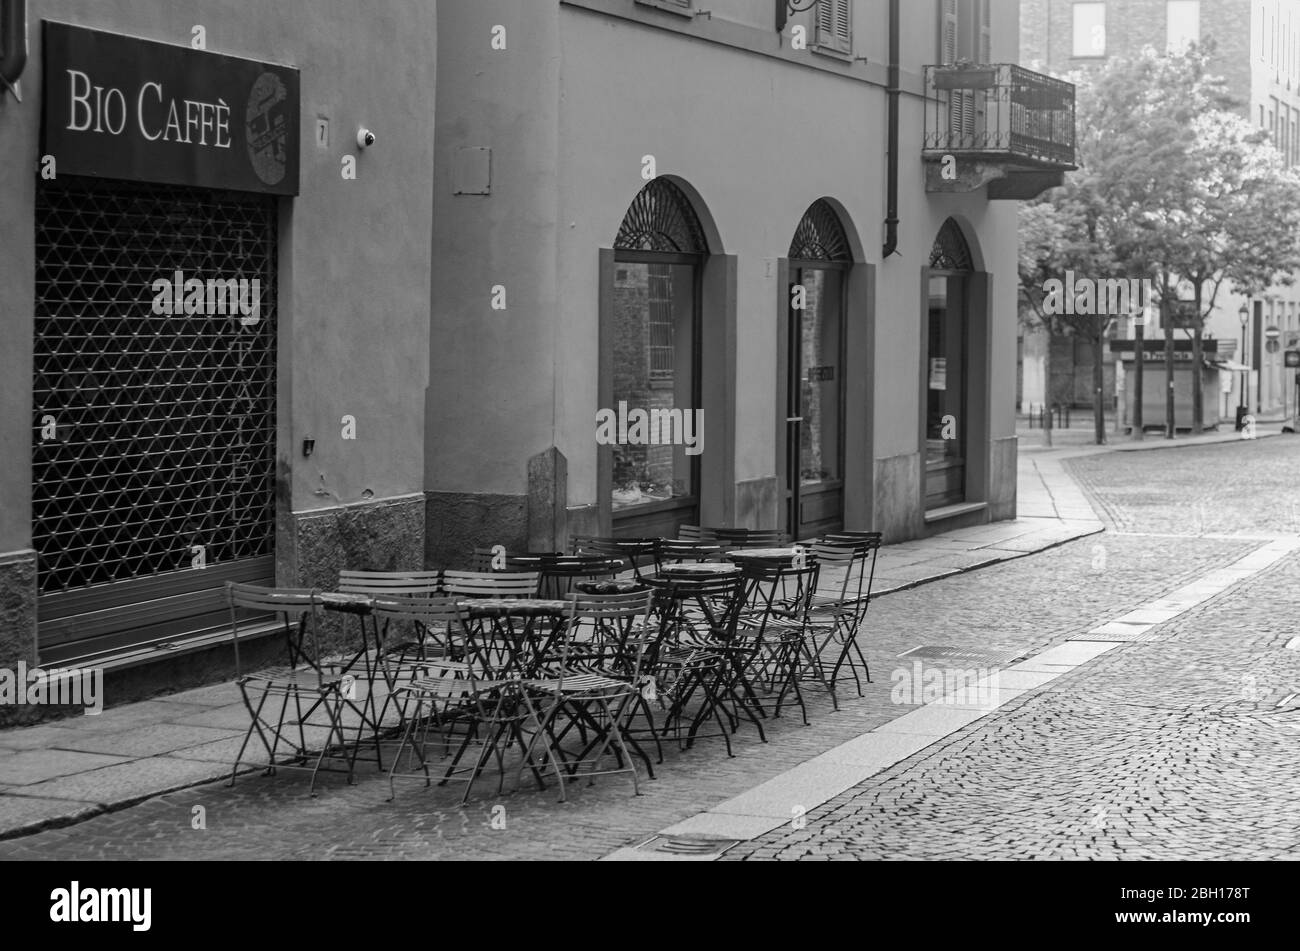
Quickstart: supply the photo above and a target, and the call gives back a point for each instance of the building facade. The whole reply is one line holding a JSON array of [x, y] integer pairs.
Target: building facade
[[298, 287], [686, 207], [158, 442], [1257, 50]]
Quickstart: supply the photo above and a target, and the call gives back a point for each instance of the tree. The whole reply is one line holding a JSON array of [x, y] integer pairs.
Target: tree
[[1174, 184]]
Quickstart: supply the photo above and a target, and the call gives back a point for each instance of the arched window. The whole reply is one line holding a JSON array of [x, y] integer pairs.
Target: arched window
[[821, 236], [820, 256], [656, 342], [951, 252], [661, 220], [948, 365]]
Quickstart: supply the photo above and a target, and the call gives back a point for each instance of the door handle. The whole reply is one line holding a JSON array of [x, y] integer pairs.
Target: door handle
[[795, 419]]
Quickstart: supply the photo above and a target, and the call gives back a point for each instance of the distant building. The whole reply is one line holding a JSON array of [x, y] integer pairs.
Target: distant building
[[1258, 51]]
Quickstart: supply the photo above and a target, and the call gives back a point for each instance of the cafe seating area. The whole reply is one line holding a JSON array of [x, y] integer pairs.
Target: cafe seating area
[[553, 668]]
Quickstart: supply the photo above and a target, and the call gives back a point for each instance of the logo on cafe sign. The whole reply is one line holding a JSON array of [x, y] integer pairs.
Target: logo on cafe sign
[[268, 128]]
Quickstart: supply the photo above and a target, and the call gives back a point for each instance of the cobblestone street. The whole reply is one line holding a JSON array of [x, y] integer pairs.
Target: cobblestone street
[[1171, 747]]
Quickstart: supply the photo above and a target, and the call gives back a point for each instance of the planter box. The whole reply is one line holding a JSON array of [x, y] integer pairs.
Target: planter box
[[966, 77]]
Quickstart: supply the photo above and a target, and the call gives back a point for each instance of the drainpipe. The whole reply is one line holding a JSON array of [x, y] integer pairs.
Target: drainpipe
[[13, 52], [895, 92]]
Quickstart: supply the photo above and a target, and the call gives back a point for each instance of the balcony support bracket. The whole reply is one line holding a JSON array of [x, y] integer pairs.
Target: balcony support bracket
[[944, 174], [1022, 185]]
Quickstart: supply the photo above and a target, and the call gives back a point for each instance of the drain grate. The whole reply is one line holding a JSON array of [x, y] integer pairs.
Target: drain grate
[[963, 655], [688, 846]]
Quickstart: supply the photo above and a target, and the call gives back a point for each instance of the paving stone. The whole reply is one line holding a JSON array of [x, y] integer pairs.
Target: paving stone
[[149, 740], [35, 766], [113, 785], [26, 812]]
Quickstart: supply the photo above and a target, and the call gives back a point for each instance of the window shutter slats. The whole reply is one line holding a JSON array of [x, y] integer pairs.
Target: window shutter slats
[[835, 25]]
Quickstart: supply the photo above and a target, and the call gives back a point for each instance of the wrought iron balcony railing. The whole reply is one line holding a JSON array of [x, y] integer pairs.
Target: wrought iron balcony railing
[[1000, 109]]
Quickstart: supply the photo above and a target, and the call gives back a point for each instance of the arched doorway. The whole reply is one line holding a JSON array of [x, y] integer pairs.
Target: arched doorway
[[655, 364], [819, 260], [947, 412]]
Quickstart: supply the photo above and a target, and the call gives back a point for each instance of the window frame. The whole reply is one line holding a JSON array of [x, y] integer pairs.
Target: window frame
[[1075, 38]]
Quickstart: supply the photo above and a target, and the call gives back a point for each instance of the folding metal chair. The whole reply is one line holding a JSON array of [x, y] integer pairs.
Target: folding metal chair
[[594, 686], [739, 538], [839, 617], [771, 644], [491, 584], [634, 551], [397, 656], [306, 682], [698, 620]]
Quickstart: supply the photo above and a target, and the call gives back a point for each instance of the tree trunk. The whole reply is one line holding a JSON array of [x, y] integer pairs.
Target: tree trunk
[[1099, 384], [1198, 391], [1047, 388], [1139, 364], [1171, 426]]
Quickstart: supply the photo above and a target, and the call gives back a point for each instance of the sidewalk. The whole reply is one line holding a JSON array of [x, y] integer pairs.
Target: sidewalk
[[61, 773]]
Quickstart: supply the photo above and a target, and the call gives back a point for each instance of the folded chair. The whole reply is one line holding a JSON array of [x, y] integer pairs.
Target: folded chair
[[594, 685], [838, 618], [284, 703]]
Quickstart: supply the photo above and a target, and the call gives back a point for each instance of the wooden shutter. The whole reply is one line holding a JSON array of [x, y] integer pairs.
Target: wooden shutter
[[835, 25], [961, 103], [948, 32]]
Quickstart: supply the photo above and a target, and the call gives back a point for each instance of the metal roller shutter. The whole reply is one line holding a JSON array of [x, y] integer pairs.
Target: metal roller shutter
[[165, 426]]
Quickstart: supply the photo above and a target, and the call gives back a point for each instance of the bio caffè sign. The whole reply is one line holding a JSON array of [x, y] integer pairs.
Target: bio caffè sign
[[121, 107]]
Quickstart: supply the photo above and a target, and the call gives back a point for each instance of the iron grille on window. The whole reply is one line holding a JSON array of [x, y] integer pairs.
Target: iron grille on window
[[663, 347], [165, 426]]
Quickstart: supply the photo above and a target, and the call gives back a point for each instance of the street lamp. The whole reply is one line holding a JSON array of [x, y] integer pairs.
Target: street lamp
[[1242, 409]]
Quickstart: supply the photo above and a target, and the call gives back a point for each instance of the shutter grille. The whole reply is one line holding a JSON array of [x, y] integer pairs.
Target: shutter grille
[[166, 425]]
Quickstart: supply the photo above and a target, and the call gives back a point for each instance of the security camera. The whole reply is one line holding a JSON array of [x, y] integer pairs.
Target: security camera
[[365, 138]]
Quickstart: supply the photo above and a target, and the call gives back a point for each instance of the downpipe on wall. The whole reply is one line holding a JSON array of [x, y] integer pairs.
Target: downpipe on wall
[[13, 44]]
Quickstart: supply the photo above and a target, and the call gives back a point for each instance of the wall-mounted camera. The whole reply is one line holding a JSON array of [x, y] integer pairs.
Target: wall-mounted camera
[[365, 138]]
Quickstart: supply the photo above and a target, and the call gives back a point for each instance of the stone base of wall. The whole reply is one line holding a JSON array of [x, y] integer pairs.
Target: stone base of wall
[[456, 523], [758, 504], [899, 515], [17, 608], [382, 536], [1005, 474]]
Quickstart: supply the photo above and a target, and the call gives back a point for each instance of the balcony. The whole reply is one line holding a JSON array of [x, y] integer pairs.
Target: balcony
[[997, 125]]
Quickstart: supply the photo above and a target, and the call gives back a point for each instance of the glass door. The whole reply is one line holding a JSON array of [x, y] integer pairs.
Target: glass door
[[945, 469], [815, 439]]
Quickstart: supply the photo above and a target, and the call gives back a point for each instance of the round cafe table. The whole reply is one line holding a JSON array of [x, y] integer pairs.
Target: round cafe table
[[515, 635]]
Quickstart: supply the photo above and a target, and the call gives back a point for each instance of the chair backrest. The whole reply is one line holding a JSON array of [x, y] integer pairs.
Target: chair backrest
[[439, 616], [498, 584], [681, 552], [611, 632], [291, 605], [843, 571], [387, 584], [783, 588], [484, 558], [633, 551], [752, 537], [867, 544], [703, 608], [694, 533]]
